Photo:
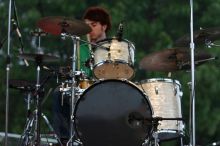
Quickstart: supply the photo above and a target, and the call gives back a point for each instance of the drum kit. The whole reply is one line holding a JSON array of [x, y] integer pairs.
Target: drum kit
[[110, 109]]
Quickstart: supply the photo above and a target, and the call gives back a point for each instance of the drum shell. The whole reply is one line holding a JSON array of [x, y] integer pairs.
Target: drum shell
[[115, 60], [85, 83], [165, 97]]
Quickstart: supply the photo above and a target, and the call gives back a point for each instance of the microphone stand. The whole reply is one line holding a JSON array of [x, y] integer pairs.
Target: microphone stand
[[192, 95], [8, 61]]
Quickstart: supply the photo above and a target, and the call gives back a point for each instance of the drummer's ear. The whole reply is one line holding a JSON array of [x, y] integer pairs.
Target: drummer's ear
[[104, 27]]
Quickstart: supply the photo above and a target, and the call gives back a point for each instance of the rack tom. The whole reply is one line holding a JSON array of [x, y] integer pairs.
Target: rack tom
[[114, 59]]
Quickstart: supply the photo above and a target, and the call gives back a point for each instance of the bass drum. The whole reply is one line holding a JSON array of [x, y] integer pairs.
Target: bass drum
[[112, 113]]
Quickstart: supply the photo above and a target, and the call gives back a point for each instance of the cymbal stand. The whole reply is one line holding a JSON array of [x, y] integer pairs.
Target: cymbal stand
[[75, 40], [34, 119], [25, 136], [192, 95], [7, 74], [38, 106]]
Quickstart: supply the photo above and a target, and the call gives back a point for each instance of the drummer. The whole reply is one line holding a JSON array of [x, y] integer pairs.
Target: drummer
[[100, 22]]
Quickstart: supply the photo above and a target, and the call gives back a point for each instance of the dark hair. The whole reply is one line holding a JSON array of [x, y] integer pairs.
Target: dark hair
[[98, 14]]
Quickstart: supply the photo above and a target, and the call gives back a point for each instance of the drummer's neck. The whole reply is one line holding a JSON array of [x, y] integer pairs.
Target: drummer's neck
[[103, 36]]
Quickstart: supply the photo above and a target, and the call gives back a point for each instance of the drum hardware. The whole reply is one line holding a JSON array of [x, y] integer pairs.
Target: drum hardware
[[38, 33], [28, 88], [154, 138], [217, 143], [210, 44], [74, 97], [202, 36], [66, 91], [26, 137], [12, 5], [172, 60], [38, 58]]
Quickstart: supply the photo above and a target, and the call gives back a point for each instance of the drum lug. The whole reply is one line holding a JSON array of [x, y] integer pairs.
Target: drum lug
[[175, 91], [156, 90], [100, 80], [109, 56], [125, 80]]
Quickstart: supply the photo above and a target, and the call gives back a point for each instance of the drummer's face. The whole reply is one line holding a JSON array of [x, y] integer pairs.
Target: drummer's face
[[97, 29]]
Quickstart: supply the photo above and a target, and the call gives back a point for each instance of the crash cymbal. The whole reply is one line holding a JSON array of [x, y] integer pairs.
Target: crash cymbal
[[202, 36], [58, 24], [38, 57], [22, 85], [171, 60]]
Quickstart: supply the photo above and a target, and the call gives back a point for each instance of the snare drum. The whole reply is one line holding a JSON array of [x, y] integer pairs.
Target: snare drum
[[85, 83], [165, 97], [114, 59], [112, 113]]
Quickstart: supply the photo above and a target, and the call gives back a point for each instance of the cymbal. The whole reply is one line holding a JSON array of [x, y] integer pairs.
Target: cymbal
[[22, 85], [171, 60], [202, 36], [38, 57], [58, 24]]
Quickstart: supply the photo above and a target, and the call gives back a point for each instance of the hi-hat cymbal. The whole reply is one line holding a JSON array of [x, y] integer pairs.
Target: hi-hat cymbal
[[58, 24], [38, 57], [202, 36], [22, 85], [172, 60]]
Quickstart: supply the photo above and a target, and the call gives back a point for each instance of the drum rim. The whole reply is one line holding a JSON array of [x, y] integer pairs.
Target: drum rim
[[114, 38], [145, 97], [166, 80], [178, 133]]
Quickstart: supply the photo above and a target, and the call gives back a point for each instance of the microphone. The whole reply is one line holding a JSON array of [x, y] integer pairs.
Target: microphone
[[16, 28], [120, 31]]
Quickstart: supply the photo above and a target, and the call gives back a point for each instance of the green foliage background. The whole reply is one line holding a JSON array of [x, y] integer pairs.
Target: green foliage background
[[152, 25]]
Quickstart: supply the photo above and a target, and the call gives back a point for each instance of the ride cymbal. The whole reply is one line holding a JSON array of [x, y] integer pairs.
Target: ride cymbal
[[202, 36], [172, 60], [58, 24], [38, 57]]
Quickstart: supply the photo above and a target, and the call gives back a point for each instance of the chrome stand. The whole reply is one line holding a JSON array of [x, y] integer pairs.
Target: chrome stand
[[192, 95], [74, 97], [31, 134], [7, 74]]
